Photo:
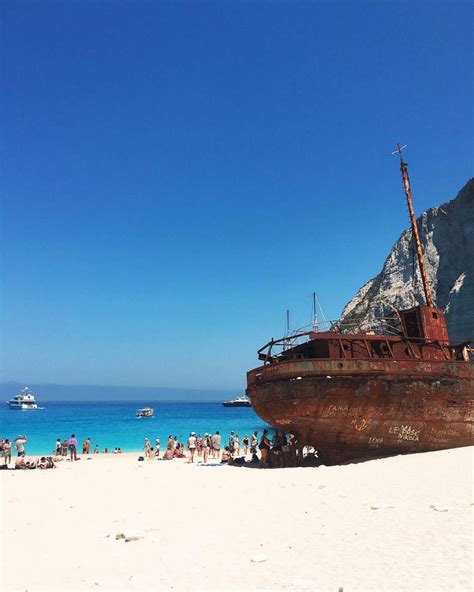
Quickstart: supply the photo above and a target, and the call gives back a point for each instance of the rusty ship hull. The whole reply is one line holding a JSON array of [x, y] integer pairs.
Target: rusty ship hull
[[357, 390], [359, 409]]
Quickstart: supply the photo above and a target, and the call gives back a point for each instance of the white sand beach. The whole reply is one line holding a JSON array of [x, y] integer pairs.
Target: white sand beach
[[402, 523]]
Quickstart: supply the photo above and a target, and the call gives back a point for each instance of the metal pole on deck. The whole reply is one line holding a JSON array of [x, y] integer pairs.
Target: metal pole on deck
[[414, 227]]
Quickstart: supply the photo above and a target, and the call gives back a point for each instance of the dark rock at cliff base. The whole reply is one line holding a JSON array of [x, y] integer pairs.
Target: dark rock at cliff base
[[447, 235]]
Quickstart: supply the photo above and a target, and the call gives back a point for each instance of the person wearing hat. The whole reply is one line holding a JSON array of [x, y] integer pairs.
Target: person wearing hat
[[205, 447], [192, 446], [20, 442]]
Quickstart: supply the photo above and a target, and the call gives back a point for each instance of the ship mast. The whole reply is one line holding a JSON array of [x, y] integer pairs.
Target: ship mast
[[414, 227]]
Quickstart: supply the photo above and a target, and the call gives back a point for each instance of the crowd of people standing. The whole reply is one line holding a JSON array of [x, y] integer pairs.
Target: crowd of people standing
[[278, 451], [6, 448]]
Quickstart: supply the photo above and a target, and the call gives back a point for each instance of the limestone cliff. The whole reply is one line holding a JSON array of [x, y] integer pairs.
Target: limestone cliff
[[447, 235]]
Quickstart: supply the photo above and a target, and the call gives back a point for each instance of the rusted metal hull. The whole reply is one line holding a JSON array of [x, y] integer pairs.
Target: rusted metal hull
[[353, 409]]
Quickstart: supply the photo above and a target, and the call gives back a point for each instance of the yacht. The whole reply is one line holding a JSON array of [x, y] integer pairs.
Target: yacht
[[145, 412], [238, 402], [23, 400]]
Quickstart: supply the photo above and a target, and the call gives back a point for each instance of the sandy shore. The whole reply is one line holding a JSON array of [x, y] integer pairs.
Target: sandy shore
[[368, 526]]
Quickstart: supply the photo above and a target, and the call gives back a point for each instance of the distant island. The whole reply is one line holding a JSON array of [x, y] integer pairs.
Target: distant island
[[67, 392]]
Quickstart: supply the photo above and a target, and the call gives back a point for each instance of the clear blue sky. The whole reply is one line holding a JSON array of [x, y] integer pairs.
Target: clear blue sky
[[175, 175]]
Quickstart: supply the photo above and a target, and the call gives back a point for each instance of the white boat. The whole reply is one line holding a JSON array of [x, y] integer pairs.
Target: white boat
[[241, 401], [145, 412], [24, 400]]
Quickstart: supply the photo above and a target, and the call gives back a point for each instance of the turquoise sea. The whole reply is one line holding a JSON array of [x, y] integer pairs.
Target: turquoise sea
[[114, 423]]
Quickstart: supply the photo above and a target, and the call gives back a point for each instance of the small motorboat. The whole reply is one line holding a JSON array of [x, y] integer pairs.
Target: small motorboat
[[238, 402], [145, 412]]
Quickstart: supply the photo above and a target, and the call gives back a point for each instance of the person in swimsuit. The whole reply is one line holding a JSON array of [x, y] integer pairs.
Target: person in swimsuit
[[237, 445], [226, 455], [7, 451], [245, 442], [147, 448], [254, 442], [192, 446], [205, 447], [264, 449], [20, 442]]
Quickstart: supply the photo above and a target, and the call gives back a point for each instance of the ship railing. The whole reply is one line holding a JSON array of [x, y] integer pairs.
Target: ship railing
[[383, 326]]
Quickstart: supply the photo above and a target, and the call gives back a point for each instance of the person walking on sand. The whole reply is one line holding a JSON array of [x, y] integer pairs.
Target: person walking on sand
[[264, 449], [72, 445], [58, 447], [20, 442], [192, 446]]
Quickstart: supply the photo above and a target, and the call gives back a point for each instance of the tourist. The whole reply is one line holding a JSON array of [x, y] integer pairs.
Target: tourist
[[84, 447], [96, 449], [157, 446], [7, 451], [64, 448], [237, 445], [264, 449], [20, 442], [169, 443], [199, 445], [147, 448], [226, 455], [192, 446], [276, 450], [58, 447], [216, 444], [72, 445], [254, 442], [245, 442], [205, 447], [175, 442], [106, 450], [178, 452], [168, 455], [45, 463], [231, 443], [292, 450]]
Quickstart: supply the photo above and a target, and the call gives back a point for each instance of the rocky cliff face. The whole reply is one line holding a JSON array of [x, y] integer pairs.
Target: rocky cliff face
[[447, 235]]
